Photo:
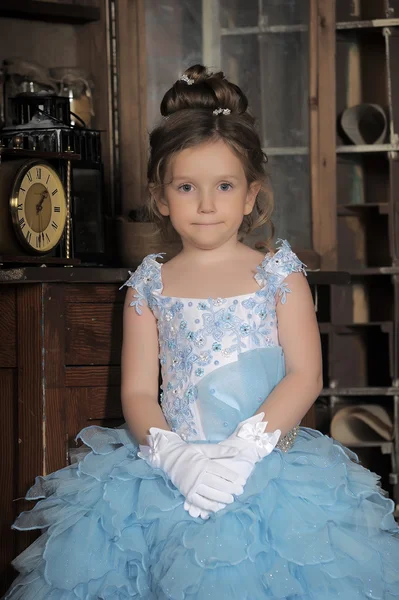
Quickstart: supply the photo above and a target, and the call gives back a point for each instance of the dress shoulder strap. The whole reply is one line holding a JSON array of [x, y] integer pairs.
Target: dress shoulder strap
[[276, 266], [146, 280]]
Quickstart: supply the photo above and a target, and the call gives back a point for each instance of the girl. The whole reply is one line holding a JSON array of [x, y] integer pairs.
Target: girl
[[226, 497]]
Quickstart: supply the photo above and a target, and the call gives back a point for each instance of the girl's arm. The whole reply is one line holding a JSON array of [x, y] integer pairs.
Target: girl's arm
[[140, 370], [299, 337], [202, 481]]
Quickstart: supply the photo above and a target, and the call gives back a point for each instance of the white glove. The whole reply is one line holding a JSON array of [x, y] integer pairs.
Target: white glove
[[253, 444], [202, 481]]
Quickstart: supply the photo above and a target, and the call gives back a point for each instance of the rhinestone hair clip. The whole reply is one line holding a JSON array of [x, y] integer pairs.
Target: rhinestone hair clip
[[221, 111], [188, 80]]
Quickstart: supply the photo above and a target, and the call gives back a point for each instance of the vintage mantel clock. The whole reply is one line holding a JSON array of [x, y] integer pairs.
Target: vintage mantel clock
[[50, 185], [33, 208]]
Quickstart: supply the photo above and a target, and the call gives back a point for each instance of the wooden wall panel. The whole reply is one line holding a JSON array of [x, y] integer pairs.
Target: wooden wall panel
[[8, 328], [8, 471], [89, 293], [87, 406], [93, 334], [76, 413], [104, 403], [54, 429], [29, 430], [92, 376]]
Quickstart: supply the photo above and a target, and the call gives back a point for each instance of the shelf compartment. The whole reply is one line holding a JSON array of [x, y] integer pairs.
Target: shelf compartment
[[363, 181], [356, 235], [54, 12], [366, 302], [375, 453], [361, 355], [372, 299], [361, 78]]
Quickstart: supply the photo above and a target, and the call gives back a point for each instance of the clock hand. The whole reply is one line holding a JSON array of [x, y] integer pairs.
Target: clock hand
[[40, 204]]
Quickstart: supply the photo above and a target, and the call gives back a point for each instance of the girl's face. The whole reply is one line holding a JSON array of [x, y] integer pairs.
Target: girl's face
[[206, 195]]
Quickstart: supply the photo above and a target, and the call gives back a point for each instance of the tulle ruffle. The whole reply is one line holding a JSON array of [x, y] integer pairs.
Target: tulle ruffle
[[312, 524]]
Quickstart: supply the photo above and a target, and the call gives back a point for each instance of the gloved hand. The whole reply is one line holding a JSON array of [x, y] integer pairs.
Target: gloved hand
[[253, 444], [202, 481]]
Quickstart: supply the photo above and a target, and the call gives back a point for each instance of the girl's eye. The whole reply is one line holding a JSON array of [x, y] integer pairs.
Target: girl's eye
[[186, 187], [225, 187]]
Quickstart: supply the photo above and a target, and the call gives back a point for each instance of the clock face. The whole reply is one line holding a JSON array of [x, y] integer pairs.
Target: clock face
[[38, 207]]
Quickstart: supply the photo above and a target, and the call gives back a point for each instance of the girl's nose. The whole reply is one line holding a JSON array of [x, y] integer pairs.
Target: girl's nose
[[206, 204]]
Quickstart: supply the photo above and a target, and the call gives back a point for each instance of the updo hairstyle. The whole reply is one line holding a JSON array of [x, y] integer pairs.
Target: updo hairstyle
[[189, 121]]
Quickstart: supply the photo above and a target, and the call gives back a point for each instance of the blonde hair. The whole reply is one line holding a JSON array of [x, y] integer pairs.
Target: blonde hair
[[190, 121]]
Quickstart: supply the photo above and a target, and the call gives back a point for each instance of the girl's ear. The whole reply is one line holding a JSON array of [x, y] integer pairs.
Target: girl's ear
[[162, 205], [253, 190]]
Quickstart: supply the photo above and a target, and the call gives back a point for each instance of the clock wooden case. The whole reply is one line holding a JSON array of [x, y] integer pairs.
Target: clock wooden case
[[51, 185]]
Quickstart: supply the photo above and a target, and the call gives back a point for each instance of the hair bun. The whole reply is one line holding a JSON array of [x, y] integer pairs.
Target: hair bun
[[204, 90], [198, 73]]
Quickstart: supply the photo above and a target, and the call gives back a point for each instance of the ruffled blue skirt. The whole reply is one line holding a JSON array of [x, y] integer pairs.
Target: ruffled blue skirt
[[312, 524]]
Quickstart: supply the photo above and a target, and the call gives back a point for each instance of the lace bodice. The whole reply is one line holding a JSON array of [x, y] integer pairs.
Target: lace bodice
[[206, 344]]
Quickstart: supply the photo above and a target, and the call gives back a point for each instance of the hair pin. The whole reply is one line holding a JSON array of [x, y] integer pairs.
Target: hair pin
[[187, 79], [220, 111]]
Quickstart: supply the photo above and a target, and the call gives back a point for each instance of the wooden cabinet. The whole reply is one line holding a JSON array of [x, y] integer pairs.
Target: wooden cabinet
[[60, 349]]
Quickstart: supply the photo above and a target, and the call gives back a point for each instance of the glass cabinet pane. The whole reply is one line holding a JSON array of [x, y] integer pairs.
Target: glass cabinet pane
[[262, 45]]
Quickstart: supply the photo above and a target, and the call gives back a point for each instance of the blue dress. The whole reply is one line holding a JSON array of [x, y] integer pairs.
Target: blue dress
[[312, 523]]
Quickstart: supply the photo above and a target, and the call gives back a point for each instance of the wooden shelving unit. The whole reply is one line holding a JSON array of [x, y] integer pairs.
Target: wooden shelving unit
[[363, 352]]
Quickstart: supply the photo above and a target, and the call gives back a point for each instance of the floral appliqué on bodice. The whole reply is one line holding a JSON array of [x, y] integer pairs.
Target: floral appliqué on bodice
[[197, 336]]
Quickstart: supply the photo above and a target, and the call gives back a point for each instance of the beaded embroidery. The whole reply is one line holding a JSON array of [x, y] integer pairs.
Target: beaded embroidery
[[197, 336]]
